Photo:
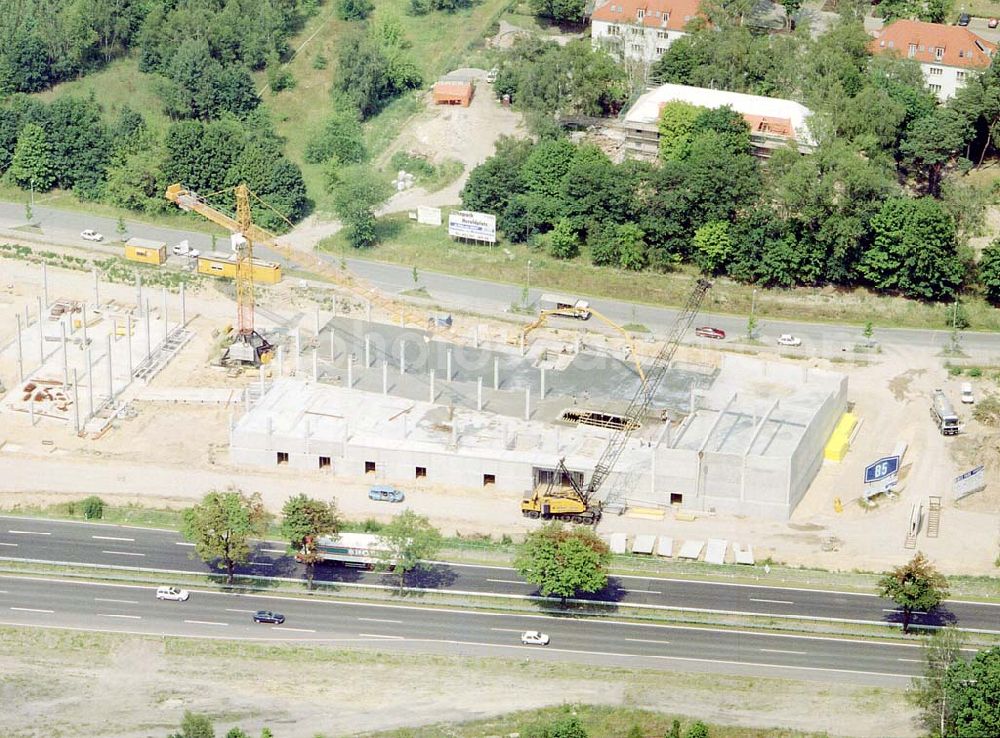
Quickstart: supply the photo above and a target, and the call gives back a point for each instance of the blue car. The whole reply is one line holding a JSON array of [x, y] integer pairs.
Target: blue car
[[382, 493]]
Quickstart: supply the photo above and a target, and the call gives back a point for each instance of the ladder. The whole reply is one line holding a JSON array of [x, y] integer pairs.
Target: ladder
[[933, 516]]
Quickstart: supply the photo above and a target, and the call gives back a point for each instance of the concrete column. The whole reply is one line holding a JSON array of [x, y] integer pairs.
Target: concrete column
[[45, 283], [41, 335], [496, 372], [165, 330], [128, 340], [315, 365], [184, 316], [90, 384], [334, 304], [479, 393], [350, 371], [111, 375], [402, 357], [368, 351], [475, 336], [149, 338], [368, 311], [527, 403], [97, 293], [333, 347], [317, 322], [65, 353], [432, 386], [281, 360], [76, 402], [385, 377], [448, 378], [20, 351], [83, 323], [541, 372], [138, 293], [522, 343]]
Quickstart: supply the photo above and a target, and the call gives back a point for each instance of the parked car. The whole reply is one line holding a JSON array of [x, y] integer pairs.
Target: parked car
[[383, 493], [992, 23], [89, 235], [266, 616], [787, 339], [967, 397], [184, 249], [534, 638], [963, 19], [709, 332], [172, 593]]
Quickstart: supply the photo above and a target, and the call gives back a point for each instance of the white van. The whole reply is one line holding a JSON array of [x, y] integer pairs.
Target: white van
[[172, 593], [967, 397]]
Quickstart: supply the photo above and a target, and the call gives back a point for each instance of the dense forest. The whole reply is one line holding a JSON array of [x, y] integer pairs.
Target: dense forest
[[883, 201], [198, 55]]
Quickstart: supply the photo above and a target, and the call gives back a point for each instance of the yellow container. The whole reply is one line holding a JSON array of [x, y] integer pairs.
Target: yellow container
[[145, 251], [221, 265], [840, 440]]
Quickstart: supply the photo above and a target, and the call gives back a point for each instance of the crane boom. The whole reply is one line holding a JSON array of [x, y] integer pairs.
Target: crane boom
[[643, 398]]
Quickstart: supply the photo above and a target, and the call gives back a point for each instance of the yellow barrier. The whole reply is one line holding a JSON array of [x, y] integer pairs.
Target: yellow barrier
[[840, 440]]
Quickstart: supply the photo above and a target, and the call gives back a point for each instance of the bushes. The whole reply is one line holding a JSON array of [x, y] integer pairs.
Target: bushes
[[93, 508]]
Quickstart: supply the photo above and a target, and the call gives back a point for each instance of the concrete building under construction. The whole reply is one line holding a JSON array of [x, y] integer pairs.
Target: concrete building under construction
[[746, 439]]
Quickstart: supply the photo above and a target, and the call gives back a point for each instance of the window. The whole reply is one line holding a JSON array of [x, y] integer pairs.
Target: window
[[913, 50], [960, 75], [282, 457], [489, 479], [661, 34], [369, 467], [661, 50], [640, 14], [636, 48], [935, 88], [676, 498], [421, 472], [938, 53], [324, 462], [936, 71]]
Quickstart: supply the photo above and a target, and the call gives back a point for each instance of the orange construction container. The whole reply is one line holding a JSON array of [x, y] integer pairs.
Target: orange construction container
[[453, 93]]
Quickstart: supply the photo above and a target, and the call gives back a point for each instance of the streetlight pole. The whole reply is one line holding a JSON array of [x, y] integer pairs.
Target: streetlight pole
[[527, 284]]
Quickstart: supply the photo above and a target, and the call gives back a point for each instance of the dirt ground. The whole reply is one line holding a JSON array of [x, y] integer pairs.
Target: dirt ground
[[82, 684]]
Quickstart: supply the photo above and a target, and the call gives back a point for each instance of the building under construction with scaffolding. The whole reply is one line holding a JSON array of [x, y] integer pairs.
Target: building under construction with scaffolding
[[737, 435]]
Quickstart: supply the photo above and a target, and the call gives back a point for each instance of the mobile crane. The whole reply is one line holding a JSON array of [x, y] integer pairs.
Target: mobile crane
[[571, 501]]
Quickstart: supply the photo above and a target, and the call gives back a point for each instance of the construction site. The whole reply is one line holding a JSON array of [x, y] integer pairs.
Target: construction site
[[487, 423]]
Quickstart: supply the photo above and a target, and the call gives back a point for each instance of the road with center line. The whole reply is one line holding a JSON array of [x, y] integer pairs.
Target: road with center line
[[104, 545], [53, 603]]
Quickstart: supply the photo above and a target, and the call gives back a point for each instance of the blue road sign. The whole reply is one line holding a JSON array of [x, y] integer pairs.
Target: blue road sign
[[881, 469]]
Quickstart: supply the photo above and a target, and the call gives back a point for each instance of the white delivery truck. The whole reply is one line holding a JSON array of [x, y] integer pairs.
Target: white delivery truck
[[569, 307]]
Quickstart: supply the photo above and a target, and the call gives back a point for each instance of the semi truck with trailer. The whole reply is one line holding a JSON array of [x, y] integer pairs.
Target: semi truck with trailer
[[364, 550]]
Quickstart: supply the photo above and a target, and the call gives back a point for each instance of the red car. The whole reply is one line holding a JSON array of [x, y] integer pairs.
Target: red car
[[708, 332]]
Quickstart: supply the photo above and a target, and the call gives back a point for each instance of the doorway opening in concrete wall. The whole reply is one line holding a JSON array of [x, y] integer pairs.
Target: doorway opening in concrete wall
[[369, 467], [324, 462], [489, 479], [282, 457], [676, 498], [421, 472]]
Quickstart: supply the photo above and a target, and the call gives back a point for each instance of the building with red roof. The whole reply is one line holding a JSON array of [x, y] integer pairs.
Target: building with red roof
[[641, 30]]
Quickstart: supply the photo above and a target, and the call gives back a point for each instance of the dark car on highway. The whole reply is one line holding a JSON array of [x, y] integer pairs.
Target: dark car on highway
[[266, 616]]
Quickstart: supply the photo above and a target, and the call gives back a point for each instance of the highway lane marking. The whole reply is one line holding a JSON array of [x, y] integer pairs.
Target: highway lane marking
[[14, 545], [113, 538], [28, 533], [31, 609], [294, 630], [507, 630], [183, 543], [643, 640], [260, 563], [896, 609], [378, 635], [204, 622], [275, 550], [506, 581], [773, 602], [912, 661], [779, 650], [380, 620], [4, 592], [123, 602], [230, 609], [644, 591], [112, 615], [123, 553]]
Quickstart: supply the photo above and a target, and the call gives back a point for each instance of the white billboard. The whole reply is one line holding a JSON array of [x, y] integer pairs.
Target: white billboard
[[428, 215], [972, 481], [473, 226]]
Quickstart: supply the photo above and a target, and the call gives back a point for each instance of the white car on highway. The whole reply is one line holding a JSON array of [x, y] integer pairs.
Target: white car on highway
[[89, 235], [787, 339], [172, 593], [534, 638]]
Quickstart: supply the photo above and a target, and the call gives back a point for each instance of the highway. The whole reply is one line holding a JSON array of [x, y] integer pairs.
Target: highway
[[492, 297], [71, 542], [43, 602]]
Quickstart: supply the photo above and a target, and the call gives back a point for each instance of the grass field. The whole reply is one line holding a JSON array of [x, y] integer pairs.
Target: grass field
[[408, 243]]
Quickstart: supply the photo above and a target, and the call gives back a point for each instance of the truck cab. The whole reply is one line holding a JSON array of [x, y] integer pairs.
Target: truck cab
[[569, 307]]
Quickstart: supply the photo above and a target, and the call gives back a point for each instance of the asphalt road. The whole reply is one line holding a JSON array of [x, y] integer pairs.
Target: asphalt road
[[161, 550], [42, 602], [491, 297]]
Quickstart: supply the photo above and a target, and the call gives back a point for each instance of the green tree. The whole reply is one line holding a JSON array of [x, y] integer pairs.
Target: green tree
[[974, 695], [410, 541], [303, 521], [33, 164], [567, 727], [989, 271], [491, 185], [868, 332], [676, 126], [675, 729], [635, 732], [236, 733], [563, 561], [222, 526], [373, 70], [340, 139], [712, 246], [354, 10], [931, 143], [916, 585], [559, 10], [355, 199], [929, 692], [563, 243], [697, 729], [632, 248], [194, 725]]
